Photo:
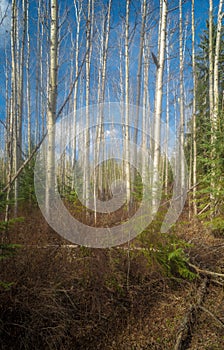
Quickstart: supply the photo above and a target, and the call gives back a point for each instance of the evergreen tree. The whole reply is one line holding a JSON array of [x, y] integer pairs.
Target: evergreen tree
[[206, 162]]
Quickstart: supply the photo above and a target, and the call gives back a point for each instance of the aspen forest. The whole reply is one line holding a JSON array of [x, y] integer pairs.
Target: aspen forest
[[112, 174]]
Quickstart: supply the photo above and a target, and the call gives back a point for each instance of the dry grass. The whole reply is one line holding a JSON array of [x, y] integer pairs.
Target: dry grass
[[78, 298]]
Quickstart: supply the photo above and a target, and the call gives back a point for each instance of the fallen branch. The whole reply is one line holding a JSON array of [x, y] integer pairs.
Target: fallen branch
[[212, 315], [184, 333], [206, 272], [216, 282]]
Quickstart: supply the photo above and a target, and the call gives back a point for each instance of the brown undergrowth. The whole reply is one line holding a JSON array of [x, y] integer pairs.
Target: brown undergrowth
[[79, 298]]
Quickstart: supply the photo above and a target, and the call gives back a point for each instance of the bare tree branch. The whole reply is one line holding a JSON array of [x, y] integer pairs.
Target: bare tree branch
[[5, 15]]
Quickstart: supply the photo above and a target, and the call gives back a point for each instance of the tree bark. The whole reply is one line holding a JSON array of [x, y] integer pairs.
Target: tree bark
[[158, 104], [78, 10], [52, 102], [126, 136], [216, 67], [194, 167], [182, 118], [167, 117]]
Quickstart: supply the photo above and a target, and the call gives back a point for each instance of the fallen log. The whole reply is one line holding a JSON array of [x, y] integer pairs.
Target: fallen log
[[184, 333]]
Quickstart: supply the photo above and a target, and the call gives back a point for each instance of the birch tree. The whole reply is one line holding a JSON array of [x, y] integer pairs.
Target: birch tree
[[214, 116], [146, 107], [52, 100], [211, 103], [211, 90], [78, 11], [89, 35], [194, 167], [104, 41], [126, 136], [21, 80], [182, 165], [140, 57], [167, 115], [158, 102], [9, 140], [216, 67], [14, 96], [28, 83]]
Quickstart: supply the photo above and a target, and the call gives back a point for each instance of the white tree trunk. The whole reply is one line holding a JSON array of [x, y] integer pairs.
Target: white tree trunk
[[158, 104], [146, 108], [194, 166], [211, 99], [211, 90], [140, 56], [126, 146], [78, 11], [182, 119], [28, 85], [14, 96], [214, 116], [21, 81], [52, 101], [89, 33], [101, 97], [216, 67], [167, 116]]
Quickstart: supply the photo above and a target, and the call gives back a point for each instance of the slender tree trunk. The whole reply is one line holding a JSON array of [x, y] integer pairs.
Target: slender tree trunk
[[214, 120], [52, 101], [139, 79], [14, 95], [158, 103], [216, 66], [211, 75], [21, 82], [139, 73], [89, 32], [167, 117], [182, 119], [105, 52], [9, 141], [7, 124], [28, 85], [146, 109], [41, 82], [126, 127], [37, 82], [127, 165], [78, 11], [194, 167], [101, 98], [211, 99], [122, 94]]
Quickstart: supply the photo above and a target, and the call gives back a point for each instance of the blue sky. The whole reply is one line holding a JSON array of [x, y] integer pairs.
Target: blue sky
[[118, 8]]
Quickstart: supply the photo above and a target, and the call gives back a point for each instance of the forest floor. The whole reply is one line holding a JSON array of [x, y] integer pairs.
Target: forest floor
[[79, 298]]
